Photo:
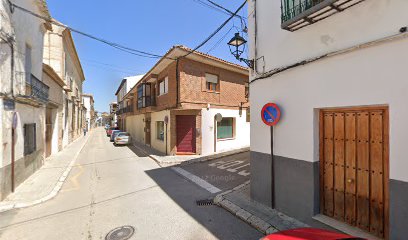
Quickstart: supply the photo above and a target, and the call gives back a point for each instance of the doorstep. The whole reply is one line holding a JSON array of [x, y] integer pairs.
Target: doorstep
[[343, 227]]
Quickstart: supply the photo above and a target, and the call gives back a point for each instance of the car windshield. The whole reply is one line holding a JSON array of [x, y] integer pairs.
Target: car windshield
[[124, 134]]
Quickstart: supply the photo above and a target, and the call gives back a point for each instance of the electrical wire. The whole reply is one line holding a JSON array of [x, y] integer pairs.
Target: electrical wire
[[219, 41], [215, 32], [112, 44]]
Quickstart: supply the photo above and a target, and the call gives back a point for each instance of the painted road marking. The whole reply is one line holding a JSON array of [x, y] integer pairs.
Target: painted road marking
[[235, 169], [232, 166], [199, 181]]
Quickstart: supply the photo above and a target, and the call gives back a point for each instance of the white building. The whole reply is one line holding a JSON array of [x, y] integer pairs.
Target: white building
[[124, 87], [22, 92], [61, 55], [340, 80], [88, 102]]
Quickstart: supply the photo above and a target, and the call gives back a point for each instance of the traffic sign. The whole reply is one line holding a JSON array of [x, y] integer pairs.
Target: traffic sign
[[270, 114]]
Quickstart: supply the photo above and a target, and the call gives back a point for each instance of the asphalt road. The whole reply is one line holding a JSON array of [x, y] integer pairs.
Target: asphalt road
[[114, 186], [224, 173]]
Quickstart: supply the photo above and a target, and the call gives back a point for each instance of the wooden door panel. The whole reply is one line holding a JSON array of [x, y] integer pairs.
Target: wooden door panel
[[354, 170], [376, 174], [350, 160], [363, 202], [339, 166], [328, 165]]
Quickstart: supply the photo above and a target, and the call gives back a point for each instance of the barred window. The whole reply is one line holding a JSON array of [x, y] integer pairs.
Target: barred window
[[30, 136]]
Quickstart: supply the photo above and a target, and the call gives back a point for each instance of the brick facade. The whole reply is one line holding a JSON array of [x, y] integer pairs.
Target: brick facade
[[191, 91]]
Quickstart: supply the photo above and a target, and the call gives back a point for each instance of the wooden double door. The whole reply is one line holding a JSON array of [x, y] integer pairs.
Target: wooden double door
[[354, 167]]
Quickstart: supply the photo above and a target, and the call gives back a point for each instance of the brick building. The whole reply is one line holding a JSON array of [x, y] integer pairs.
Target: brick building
[[173, 107]]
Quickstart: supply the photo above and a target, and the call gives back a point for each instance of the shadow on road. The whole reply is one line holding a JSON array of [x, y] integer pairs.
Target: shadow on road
[[213, 218]]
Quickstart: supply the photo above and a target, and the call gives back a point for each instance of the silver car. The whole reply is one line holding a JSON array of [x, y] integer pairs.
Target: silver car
[[122, 138]]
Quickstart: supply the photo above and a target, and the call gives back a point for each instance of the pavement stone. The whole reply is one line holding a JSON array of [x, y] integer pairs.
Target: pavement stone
[[243, 214], [265, 219], [46, 182], [166, 161]]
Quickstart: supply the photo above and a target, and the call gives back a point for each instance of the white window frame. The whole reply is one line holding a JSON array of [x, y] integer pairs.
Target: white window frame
[[164, 86]]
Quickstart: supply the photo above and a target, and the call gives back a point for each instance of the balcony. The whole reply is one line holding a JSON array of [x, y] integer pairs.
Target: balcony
[[146, 101], [297, 14], [124, 110], [31, 89]]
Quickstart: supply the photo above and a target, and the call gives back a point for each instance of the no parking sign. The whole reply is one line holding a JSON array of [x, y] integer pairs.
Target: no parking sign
[[270, 114]]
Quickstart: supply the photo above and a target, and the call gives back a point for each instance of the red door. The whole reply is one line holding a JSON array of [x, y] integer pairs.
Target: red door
[[186, 125]]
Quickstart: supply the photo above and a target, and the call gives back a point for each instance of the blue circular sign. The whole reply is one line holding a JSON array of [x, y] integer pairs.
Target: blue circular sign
[[270, 114]]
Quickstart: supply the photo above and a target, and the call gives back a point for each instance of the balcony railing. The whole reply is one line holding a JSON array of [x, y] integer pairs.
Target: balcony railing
[[297, 14], [147, 101], [125, 110], [36, 88]]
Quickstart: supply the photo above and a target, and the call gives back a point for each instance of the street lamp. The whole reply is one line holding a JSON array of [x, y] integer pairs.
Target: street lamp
[[237, 47]]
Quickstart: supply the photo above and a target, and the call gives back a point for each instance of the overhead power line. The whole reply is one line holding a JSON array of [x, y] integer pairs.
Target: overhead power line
[[216, 31], [112, 44], [219, 41]]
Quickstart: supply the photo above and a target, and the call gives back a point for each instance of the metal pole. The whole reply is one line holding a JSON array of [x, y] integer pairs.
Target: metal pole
[[12, 159], [272, 172], [166, 138], [215, 135]]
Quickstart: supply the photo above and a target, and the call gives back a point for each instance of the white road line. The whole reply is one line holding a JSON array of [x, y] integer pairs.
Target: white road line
[[199, 181]]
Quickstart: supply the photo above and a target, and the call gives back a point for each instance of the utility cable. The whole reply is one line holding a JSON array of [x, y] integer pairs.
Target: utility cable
[[215, 32], [112, 44]]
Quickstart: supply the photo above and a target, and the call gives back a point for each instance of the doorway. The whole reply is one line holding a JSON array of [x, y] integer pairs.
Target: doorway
[[354, 165]]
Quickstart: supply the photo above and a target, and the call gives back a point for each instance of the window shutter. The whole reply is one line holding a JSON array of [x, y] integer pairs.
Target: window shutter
[[211, 78]]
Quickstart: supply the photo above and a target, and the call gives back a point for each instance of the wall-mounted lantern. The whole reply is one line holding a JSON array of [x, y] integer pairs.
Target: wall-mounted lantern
[[237, 47]]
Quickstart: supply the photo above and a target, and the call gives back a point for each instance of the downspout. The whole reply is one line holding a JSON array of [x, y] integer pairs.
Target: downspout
[[177, 82]]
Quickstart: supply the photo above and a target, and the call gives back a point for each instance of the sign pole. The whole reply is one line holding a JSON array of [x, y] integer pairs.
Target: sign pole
[[272, 172], [270, 116], [13, 127], [12, 160], [166, 138]]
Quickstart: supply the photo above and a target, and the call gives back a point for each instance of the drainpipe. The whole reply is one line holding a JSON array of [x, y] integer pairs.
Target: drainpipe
[[177, 81]]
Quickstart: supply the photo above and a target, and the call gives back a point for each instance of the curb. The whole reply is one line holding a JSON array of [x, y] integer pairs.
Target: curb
[[199, 159], [150, 156], [256, 222], [55, 190]]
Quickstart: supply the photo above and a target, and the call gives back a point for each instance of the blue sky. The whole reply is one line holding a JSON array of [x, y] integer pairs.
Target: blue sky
[[153, 26]]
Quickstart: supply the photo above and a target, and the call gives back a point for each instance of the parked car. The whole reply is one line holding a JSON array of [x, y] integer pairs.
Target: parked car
[[109, 131], [122, 138], [309, 234], [113, 135]]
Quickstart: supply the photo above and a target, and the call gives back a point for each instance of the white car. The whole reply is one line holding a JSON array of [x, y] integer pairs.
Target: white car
[[122, 138]]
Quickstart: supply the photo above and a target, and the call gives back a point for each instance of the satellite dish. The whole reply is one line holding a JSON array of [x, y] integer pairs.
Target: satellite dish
[[218, 117]]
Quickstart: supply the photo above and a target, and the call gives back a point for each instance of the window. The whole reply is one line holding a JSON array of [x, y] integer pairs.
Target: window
[[211, 83], [140, 97], [30, 142], [164, 86], [160, 130], [225, 128]]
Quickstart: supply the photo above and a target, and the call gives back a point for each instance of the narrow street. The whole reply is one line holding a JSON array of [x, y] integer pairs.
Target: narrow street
[[109, 187]]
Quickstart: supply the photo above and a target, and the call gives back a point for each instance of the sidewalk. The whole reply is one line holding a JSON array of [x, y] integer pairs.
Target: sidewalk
[[46, 182], [266, 220], [165, 161]]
